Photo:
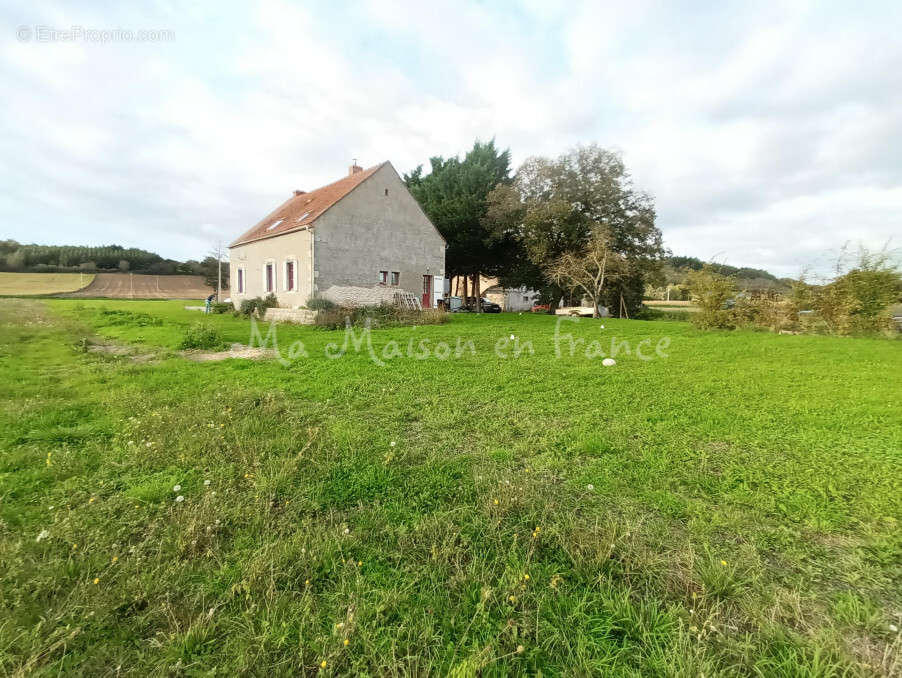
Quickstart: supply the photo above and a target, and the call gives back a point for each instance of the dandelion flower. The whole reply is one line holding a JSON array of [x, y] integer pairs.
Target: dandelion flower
[[42, 535], [176, 488], [526, 577], [74, 547], [115, 558], [520, 649], [306, 582], [340, 625], [590, 487], [179, 499], [322, 664], [513, 599], [359, 563], [346, 642], [723, 562], [496, 502], [91, 500], [96, 580], [392, 443]]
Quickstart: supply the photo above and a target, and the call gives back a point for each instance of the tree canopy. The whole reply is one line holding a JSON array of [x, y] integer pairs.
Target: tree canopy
[[454, 195], [553, 205]]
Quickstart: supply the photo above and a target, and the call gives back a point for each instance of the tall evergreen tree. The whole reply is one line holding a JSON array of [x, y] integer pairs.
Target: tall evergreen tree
[[455, 197]]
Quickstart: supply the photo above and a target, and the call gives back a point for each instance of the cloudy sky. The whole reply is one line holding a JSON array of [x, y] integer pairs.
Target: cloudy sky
[[768, 135]]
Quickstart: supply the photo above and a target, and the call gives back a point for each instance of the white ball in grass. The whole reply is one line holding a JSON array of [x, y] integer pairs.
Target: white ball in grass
[[609, 362]]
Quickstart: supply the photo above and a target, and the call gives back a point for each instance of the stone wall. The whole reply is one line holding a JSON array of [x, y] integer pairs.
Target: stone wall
[[299, 316]]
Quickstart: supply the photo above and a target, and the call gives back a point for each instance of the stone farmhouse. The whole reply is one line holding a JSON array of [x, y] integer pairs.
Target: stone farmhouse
[[360, 240]]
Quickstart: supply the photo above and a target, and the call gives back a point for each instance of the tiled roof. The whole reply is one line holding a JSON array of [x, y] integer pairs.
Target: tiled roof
[[303, 209]]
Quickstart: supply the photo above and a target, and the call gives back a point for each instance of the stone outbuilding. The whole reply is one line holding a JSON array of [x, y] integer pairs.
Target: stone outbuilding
[[363, 239]]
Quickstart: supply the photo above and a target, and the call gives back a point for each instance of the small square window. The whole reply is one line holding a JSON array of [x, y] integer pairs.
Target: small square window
[[383, 277], [395, 278]]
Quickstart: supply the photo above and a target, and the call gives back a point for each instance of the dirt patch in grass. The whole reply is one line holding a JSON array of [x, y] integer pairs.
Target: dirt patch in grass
[[118, 350], [236, 351]]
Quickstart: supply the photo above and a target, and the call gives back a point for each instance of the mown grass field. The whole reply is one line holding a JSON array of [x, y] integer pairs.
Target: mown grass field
[[732, 509], [29, 284]]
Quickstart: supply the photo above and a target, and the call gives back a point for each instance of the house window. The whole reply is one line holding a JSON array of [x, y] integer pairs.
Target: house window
[[269, 277], [290, 271], [395, 278], [386, 191], [240, 281], [383, 277]]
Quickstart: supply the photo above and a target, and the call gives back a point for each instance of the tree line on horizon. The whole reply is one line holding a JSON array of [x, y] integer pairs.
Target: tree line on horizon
[[18, 257]]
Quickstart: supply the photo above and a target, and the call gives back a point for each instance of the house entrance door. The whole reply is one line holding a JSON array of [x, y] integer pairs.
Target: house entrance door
[[427, 291]]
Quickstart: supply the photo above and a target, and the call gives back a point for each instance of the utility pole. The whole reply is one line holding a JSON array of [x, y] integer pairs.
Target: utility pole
[[218, 270]]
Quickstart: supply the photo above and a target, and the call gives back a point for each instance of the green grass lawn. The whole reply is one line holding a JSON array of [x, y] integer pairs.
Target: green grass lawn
[[731, 509]]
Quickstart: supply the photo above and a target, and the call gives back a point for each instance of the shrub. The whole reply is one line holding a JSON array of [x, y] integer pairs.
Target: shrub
[[320, 304], [383, 315], [711, 291], [201, 335], [220, 307], [258, 305]]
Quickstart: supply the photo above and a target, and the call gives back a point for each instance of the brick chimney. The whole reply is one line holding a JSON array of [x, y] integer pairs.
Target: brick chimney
[[299, 192], [354, 169]]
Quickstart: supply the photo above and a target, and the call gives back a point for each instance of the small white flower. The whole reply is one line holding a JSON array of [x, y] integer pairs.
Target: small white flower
[[392, 443], [602, 327], [148, 444], [206, 483], [179, 499], [49, 508], [42, 535], [590, 487], [609, 362], [347, 531], [893, 628], [176, 488], [512, 337]]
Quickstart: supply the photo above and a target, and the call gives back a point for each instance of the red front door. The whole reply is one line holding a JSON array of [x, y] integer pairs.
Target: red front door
[[427, 291]]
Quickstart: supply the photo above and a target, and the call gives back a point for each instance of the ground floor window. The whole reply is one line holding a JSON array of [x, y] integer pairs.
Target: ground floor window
[[395, 278], [240, 281], [290, 268], [383, 277], [269, 277]]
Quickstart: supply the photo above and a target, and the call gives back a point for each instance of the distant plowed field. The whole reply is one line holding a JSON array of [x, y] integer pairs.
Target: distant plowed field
[[24, 284], [137, 286]]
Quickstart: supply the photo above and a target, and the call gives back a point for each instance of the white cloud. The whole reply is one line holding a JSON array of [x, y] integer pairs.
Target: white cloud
[[767, 134]]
